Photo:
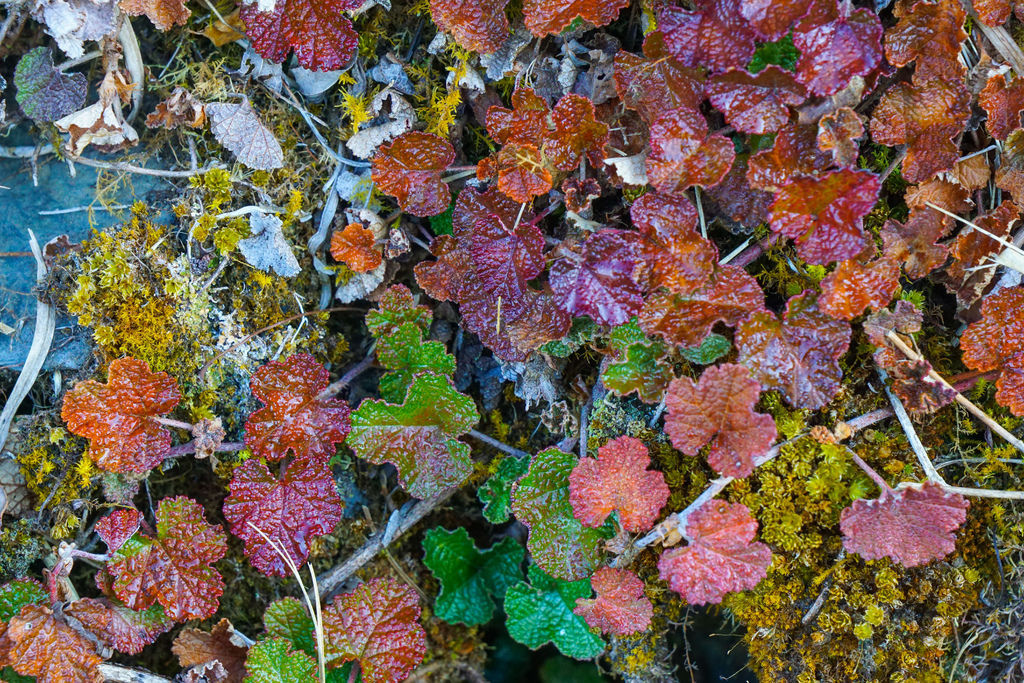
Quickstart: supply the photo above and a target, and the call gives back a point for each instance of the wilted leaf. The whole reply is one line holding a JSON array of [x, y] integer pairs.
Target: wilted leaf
[[929, 33], [913, 524], [557, 541], [996, 342], [239, 129], [544, 17], [470, 578], [273, 661], [356, 247], [541, 612], [409, 169], [715, 36], [116, 416], [620, 608], [419, 436], [377, 625], [656, 82], [267, 249], [618, 481], [44, 93], [755, 103], [40, 644], [179, 109], [836, 43], [597, 279], [722, 555], [719, 409], [476, 26], [102, 124], [163, 13], [824, 216], [195, 646], [914, 244], [973, 250], [683, 154], [797, 355], [676, 255], [318, 30], [856, 285], [838, 133]]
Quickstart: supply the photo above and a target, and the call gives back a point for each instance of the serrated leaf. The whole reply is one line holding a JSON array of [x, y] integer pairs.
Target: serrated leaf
[[125, 630], [409, 169], [43, 92], [755, 103], [115, 416], [676, 255], [928, 34], [836, 43], [395, 308], [273, 661], [195, 647], [855, 285], [470, 578], [557, 541], [541, 612], [418, 436], [476, 26], [655, 82], [715, 36], [772, 20], [40, 645], [597, 279], [576, 133], [496, 492], [620, 608], [321, 35], [544, 18], [996, 342], [714, 347], [237, 127], [16, 594], [377, 625], [294, 419], [117, 527], [794, 154], [404, 353], [914, 244], [684, 154], [637, 364], [356, 247]]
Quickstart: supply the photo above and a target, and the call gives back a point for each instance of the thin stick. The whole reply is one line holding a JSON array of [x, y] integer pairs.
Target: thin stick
[[138, 170], [1002, 240], [700, 212], [350, 374], [78, 209], [503, 447], [122, 674]]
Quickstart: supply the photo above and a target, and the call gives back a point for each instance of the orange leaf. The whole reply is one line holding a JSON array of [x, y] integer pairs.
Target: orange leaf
[[355, 246]]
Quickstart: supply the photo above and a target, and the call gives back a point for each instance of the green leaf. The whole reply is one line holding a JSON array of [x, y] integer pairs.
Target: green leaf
[[16, 594], [711, 349], [641, 370], [418, 436], [470, 578], [287, 618], [781, 53], [396, 306], [496, 492], [541, 612], [274, 661], [441, 223], [405, 354], [558, 542], [44, 93]]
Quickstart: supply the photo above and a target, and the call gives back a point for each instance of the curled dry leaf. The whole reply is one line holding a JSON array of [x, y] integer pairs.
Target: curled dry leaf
[[179, 109], [102, 124], [163, 13], [239, 129], [194, 647]]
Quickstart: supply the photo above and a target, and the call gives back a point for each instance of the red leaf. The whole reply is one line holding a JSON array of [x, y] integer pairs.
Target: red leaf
[[292, 511], [293, 417], [914, 244], [377, 625], [40, 645], [925, 116], [195, 647], [734, 199], [719, 410], [824, 215], [794, 154], [729, 296], [115, 416], [675, 254], [618, 481], [715, 36], [476, 26], [835, 45], [577, 132], [656, 83], [620, 608], [797, 355], [1003, 102], [321, 35], [118, 527], [996, 12], [172, 568], [125, 630], [929, 33], [683, 154], [855, 286], [409, 169], [838, 133], [356, 247], [524, 123], [523, 172], [545, 17], [755, 103], [773, 19], [996, 342], [973, 248], [721, 557], [913, 524], [597, 279]]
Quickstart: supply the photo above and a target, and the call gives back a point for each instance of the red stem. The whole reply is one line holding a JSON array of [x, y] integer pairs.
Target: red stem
[[875, 476], [167, 422], [190, 447]]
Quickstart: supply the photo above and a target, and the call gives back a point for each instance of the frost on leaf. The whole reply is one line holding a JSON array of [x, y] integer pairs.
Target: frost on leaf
[[577, 133], [419, 436], [321, 35], [115, 416], [675, 254], [239, 129], [618, 481], [405, 354], [409, 169], [929, 34], [755, 103], [797, 355], [274, 661], [396, 307], [655, 82], [912, 524], [470, 578], [722, 555], [356, 247], [378, 626], [915, 243], [836, 43], [996, 342], [729, 296], [545, 17], [118, 526], [496, 492], [838, 133], [39, 643], [925, 116], [123, 629], [683, 154], [541, 612], [476, 26], [557, 541], [294, 418], [636, 364], [715, 35], [267, 248], [794, 154], [620, 608], [856, 285], [163, 13], [973, 251], [597, 278], [719, 409], [292, 511], [44, 93], [173, 567], [195, 647], [824, 216]]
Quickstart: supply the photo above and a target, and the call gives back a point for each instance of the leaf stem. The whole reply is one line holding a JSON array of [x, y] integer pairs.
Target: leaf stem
[[505, 448], [868, 470], [189, 447], [168, 422]]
